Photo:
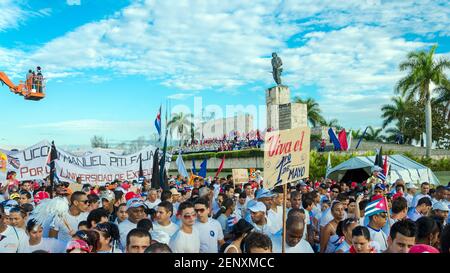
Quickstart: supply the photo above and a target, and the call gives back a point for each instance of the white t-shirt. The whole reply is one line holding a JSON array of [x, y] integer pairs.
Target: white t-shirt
[[379, 237], [169, 229], [50, 245], [13, 240], [182, 242], [151, 205], [276, 218], [267, 229], [210, 233], [302, 247], [72, 221], [124, 228]]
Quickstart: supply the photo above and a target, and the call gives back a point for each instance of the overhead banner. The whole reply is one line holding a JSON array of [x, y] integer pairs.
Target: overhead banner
[[286, 156], [93, 167]]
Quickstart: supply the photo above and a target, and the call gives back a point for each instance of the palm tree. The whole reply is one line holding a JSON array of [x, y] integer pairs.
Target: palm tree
[[314, 112], [422, 70], [373, 134], [332, 123], [181, 123], [395, 112], [444, 97]]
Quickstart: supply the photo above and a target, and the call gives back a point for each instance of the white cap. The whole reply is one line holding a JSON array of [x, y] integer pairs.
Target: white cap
[[440, 206], [411, 186], [258, 206]]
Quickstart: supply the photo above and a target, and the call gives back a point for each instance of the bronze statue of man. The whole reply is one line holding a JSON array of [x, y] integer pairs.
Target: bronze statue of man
[[277, 68]]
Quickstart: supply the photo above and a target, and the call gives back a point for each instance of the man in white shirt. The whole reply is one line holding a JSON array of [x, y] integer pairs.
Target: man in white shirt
[[440, 195], [376, 223], [136, 212], [164, 212], [275, 213], [63, 227], [424, 192], [422, 209], [260, 220], [152, 199], [295, 242], [211, 233], [187, 238], [410, 192], [12, 240]]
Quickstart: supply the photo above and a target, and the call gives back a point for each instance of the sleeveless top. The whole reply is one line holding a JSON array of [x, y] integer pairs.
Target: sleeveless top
[[231, 246]]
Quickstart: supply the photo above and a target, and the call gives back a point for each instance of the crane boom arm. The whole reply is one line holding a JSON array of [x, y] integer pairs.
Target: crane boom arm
[[4, 79]]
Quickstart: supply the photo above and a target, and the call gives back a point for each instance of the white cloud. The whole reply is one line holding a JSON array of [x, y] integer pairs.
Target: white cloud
[[73, 2], [180, 96], [13, 14]]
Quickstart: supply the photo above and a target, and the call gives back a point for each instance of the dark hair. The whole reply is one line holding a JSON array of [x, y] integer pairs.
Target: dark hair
[[424, 200], [140, 233], [110, 230], [91, 237], [121, 205], [294, 220], [295, 194], [361, 231], [184, 205], [76, 196], [82, 223], [145, 224], [227, 188], [27, 193], [118, 195], [226, 204], [405, 227], [101, 188], [93, 198], [424, 184], [342, 197], [307, 202], [167, 205], [399, 204], [202, 201], [247, 184], [445, 239], [242, 195], [158, 248], [166, 195], [363, 204], [31, 224], [257, 240], [425, 226], [400, 186], [96, 215], [294, 211]]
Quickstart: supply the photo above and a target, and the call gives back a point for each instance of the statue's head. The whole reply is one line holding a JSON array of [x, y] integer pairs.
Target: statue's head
[[274, 54]]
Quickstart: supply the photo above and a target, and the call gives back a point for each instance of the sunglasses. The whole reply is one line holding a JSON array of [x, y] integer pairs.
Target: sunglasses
[[200, 210], [85, 202], [383, 215], [187, 216], [335, 191]]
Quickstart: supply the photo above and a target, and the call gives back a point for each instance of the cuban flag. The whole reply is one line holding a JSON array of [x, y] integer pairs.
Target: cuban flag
[[376, 207], [232, 220], [158, 123]]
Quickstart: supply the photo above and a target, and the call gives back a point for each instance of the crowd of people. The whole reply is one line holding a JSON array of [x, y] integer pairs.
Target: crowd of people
[[216, 216]]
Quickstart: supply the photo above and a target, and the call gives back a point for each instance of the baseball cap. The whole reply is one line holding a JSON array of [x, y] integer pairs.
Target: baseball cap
[[135, 203], [14, 195], [258, 206], [108, 195], [375, 169], [422, 248], [41, 195], [78, 244], [130, 195], [262, 193], [323, 186], [380, 186], [174, 191], [411, 186], [440, 206]]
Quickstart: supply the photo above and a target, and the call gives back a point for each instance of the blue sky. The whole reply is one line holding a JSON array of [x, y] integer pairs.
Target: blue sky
[[110, 64]]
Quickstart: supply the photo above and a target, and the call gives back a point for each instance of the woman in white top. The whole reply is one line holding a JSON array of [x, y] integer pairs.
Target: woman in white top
[[109, 238], [239, 232]]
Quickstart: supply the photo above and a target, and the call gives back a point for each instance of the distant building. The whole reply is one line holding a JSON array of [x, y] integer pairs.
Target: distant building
[[217, 128]]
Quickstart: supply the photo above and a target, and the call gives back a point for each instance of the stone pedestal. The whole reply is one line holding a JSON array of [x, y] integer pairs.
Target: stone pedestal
[[281, 113]]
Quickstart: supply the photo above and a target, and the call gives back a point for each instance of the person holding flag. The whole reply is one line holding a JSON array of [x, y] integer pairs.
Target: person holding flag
[[377, 211]]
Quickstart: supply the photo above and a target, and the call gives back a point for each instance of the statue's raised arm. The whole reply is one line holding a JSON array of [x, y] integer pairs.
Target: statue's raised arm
[[277, 68]]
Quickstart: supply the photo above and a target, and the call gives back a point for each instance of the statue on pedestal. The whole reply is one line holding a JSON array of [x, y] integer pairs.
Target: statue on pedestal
[[277, 68]]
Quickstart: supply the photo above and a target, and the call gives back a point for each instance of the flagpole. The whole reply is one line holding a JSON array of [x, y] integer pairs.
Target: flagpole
[[283, 246], [387, 210]]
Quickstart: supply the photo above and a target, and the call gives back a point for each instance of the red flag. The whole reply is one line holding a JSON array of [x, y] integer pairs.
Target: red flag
[[385, 165], [343, 140], [221, 166]]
